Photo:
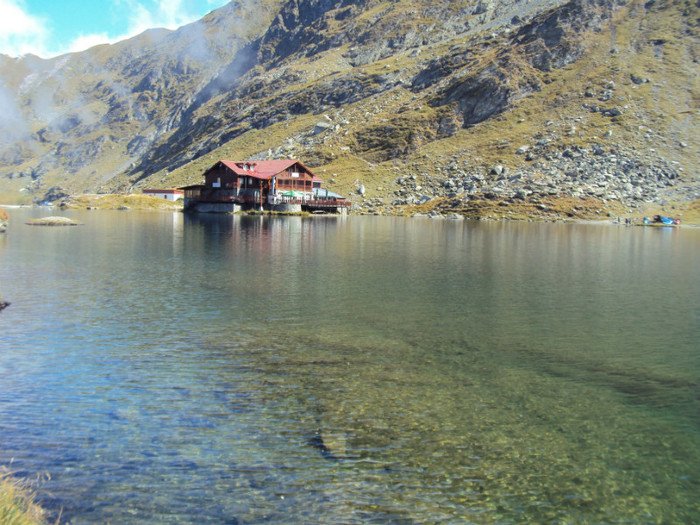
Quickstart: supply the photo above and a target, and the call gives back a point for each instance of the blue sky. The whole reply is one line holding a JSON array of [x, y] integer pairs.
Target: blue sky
[[48, 28]]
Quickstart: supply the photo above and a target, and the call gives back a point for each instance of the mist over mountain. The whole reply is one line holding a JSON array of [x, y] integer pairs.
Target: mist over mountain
[[394, 103]]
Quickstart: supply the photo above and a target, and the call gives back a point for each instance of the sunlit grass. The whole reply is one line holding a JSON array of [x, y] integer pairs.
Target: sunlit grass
[[122, 201], [17, 506]]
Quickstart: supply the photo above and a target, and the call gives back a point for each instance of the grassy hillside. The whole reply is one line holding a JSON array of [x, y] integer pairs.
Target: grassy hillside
[[602, 97], [641, 60]]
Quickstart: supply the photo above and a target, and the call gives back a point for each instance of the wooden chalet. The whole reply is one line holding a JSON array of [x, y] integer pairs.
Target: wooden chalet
[[272, 185]]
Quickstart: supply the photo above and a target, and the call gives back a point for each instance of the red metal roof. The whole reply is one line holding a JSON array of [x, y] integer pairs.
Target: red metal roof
[[262, 169]]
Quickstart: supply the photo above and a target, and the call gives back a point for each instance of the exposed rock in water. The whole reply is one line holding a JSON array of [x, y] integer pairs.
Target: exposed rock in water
[[53, 221]]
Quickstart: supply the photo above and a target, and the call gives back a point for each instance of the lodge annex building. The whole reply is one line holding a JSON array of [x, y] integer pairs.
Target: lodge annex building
[[265, 185]]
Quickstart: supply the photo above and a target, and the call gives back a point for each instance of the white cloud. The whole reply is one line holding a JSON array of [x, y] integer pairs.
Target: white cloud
[[169, 14], [20, 32], [84, 42]]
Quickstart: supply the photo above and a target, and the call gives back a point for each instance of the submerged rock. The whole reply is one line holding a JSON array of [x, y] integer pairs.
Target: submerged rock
[[331, 445], [317, 441]]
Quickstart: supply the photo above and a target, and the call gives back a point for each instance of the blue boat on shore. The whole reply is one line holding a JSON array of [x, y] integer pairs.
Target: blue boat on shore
[[661, 220]]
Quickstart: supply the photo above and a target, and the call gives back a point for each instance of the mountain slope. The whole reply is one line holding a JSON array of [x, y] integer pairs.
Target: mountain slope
[[81, 119], [481, 106]]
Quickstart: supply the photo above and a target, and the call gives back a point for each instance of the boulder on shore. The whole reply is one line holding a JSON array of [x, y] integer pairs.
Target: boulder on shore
[[4, 217]]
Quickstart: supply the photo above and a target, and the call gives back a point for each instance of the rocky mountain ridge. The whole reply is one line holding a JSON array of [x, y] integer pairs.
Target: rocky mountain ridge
[[490, 108]]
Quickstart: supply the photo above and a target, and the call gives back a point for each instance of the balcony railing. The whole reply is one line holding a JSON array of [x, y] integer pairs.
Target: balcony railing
[[250, 197]]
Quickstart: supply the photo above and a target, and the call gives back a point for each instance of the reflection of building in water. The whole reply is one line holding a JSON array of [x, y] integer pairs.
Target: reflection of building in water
[[282, 248], [178, 233], [270, 185]]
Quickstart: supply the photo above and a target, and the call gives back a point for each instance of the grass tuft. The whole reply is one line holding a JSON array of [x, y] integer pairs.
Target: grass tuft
[[17, 506]]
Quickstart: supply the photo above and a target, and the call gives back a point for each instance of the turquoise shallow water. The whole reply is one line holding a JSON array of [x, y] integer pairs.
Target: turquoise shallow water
[[160, 368]]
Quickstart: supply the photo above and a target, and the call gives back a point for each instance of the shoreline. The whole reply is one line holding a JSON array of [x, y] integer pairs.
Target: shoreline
[[558, 210]]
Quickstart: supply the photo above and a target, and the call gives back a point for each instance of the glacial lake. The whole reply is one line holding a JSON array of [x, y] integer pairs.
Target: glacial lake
[[162, 368]]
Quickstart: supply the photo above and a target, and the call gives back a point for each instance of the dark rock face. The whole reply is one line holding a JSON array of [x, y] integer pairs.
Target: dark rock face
[[54, 194], [479, 97], [551, 39], [442, 67], [301, 23]]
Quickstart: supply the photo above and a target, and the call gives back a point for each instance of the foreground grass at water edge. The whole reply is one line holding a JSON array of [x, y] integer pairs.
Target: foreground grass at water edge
[[17, 505]]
